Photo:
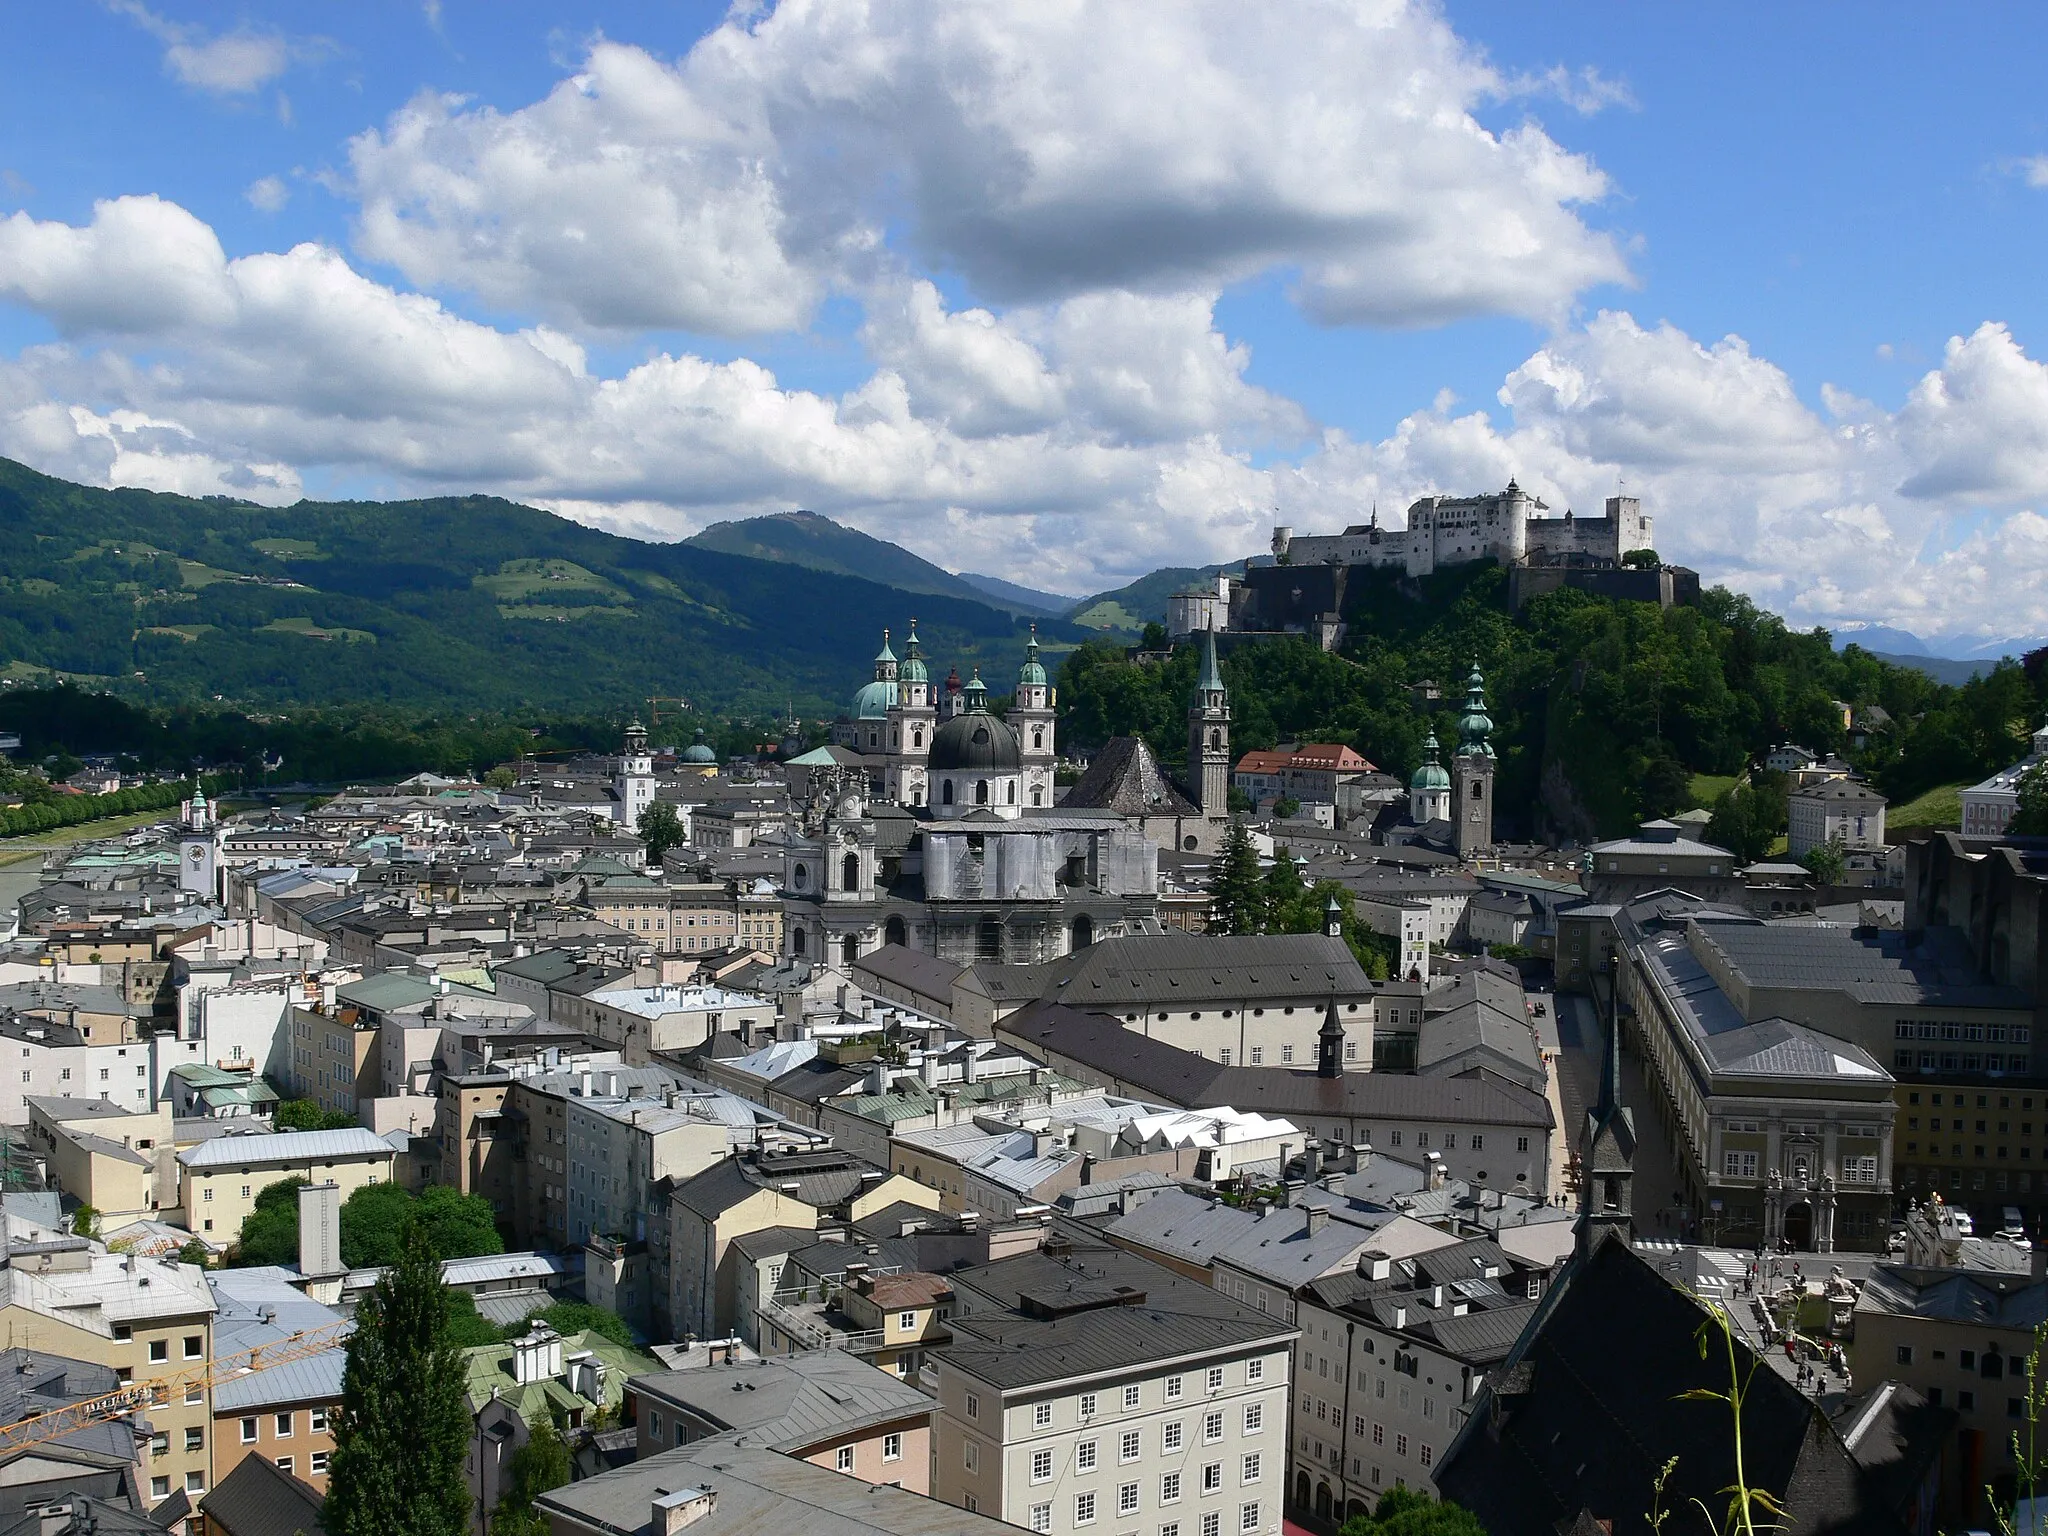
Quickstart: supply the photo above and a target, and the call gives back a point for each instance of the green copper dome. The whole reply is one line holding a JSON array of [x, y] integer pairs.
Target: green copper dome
[[885, 656], [975, 694], [699, 753], [913, 668], [1033, 674], [873, 701], [1430, 775]]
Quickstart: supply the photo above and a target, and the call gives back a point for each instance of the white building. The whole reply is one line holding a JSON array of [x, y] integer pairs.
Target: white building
[[1444, 530], [1988, 807], [1844, 811], [1200, 607], [1086, 1389]]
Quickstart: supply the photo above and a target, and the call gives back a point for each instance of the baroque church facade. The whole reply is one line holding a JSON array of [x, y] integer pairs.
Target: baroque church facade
[[935, 823]]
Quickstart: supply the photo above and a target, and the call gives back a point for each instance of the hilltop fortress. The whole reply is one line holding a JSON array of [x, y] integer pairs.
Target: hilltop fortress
[[1507, 527], [1303, 591]]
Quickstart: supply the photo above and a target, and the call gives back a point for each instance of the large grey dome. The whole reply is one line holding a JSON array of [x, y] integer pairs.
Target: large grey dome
[[976, 742]]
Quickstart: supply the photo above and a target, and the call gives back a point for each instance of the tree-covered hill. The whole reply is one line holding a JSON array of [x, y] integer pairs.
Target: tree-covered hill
[[466, 602], [1603, 710]]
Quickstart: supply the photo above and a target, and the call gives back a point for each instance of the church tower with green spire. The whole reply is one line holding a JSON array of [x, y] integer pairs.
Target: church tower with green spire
[[1209, 739], [1031, 714], [913, 717], [1472, 771]]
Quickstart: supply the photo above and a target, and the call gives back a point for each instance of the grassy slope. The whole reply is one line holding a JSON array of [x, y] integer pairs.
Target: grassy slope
[[1939, 808]]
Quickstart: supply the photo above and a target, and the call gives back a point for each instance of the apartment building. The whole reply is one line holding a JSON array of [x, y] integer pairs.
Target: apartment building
[[219, 1179], [151, 1320], [826, 1407], [283, 1413], [1961, 1338], [1392, 1355], [1086, 1388]]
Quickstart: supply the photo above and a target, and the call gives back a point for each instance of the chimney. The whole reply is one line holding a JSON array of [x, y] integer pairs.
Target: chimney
[[1311, 1159], [1437, 1175], [684, 1507], [320, 1231], [1436, 1295], [928, 1069], [583, 1082], [1318, 1218], [972, 1066], [1361, 1156]]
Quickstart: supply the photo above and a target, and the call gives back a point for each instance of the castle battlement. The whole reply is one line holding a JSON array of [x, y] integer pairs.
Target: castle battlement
[[1508, 527]]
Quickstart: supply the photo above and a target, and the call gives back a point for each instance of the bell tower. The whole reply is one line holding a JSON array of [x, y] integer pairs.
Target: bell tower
[[1209, 738], [1031, 713], [912, 719], [1472, 771]]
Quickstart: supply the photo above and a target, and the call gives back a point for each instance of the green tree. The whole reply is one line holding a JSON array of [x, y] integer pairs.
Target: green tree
[[567, 1317], [196, 1252], [1825, 860], [469, 1328], [660, 829], [403, 1429], [374, 1219], [536, 1467], [1236, 899], [1154, 637], [1286, 806], [1406, 1512], [2031, 819], [85, 1221], [1747, 821], [501, 777], [307, 1115], [270, 1232]]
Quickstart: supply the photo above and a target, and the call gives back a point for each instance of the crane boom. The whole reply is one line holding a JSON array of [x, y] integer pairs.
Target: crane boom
[[59, 1422]]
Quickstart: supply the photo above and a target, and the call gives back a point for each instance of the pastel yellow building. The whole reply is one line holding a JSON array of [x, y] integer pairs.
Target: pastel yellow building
[[221, 1178]]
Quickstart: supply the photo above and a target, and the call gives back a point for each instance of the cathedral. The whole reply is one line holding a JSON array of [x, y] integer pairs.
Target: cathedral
[[930, 822]]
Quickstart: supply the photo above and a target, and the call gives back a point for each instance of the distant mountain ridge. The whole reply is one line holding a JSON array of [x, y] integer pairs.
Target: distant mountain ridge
[[471, 602], [817, 543]]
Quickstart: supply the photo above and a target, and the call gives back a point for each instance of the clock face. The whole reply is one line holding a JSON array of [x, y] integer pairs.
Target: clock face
[[195, 854]]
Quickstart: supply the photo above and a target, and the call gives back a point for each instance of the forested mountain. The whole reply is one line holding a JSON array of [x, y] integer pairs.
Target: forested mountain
[[1604, 712], [465, 602]]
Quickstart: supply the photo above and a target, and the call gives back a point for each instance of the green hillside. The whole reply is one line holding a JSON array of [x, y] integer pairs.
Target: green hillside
[[818, 544], [459, 601], [1127, 610], [1604, 712]]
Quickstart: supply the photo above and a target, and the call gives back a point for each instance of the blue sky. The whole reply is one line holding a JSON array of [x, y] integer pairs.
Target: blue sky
[[1062, 300]]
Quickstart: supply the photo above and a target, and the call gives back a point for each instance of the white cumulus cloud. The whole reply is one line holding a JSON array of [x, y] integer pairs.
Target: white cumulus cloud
[[1042, 152]]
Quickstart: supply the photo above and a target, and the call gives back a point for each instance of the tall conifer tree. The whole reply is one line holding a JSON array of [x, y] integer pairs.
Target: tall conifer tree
[[404, 1426], [1236, 904]]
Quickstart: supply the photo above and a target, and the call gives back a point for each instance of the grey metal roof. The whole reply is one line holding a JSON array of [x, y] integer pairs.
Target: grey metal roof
[[758, 1492], [257, 1499], [790, 1403], [1870, 966], [1174, 967], [284, 1146], [998, 1341], [2012, 1301]]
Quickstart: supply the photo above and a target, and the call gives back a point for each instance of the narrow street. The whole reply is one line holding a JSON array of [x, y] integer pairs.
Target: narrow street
[[1582, 1040]]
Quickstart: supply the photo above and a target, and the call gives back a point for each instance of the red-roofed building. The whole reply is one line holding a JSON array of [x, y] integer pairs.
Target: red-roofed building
[[1311, 771]]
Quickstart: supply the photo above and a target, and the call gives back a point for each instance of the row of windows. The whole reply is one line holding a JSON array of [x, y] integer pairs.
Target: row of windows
[[1957, 1061], [1130, 1443], [1910, 1175], [1977, 1150], [1211, 1524], [1131, 1396], [1928, 1029], [1127, 1503], [316, 1423]]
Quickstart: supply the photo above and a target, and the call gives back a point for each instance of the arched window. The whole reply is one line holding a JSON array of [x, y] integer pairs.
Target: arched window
[[1215, 738], [1013, 791], [849, 872], [981, 791], [849, 949], [917, 736], [1478, 788], [800, 877], [1038, 737], [796, 941], [1037, 795], [988, 937], [893, 932], [1083, 931], [946, 793]]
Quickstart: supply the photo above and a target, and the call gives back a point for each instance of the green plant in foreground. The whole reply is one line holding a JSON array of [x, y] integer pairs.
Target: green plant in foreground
[[2027, 1457], [1744, 1502]]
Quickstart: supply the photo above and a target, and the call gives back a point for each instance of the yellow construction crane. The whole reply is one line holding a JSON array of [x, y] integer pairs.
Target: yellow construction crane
[[682, 707], [60, 1422]]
